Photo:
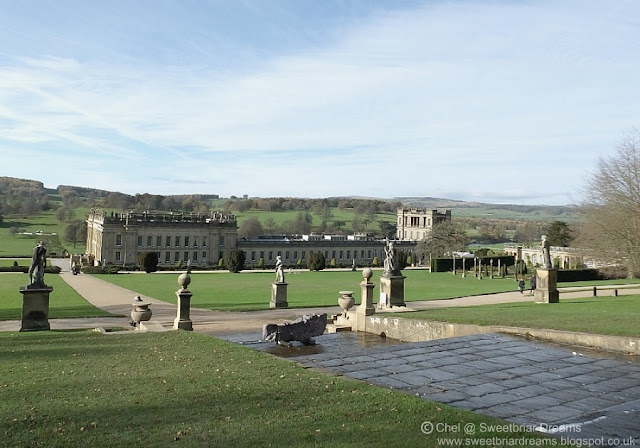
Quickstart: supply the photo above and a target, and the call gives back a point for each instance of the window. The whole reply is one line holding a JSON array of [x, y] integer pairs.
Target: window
[[186, 241], [221, 241], [204, 255], [362, 254], [158, 241], [279, 254], [177, 241], [270, 255], [118, 240], [148, 240], [176, 257], [348, 255], [303, 254], [204, 241], [333, 254], [118, 256], [253, 256], [168, 241], [195, 256], [167, 257], [369, 253], [139, 240], [186, 256], [195, 241], [295, 254], [286, 255], [261, 254], [341, 254]]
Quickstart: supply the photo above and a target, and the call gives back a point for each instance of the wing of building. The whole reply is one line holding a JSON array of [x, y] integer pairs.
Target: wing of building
[[118, 238]]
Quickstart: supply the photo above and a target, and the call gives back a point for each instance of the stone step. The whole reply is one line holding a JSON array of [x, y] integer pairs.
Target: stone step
[[334, 328]]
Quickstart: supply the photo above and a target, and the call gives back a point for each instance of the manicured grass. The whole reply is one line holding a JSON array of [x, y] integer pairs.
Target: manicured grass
[[190, 390], [599, 315], [63, 301], [252, 290]]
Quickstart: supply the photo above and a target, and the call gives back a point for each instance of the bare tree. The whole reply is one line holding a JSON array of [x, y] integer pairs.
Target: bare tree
[[446, 237], [612, 206]]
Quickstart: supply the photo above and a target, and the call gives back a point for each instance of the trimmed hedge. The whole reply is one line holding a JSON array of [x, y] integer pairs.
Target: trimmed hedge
[[578, 275], [25, 269]]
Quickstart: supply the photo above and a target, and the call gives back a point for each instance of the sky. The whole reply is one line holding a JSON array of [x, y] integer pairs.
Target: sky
[[490, 101]]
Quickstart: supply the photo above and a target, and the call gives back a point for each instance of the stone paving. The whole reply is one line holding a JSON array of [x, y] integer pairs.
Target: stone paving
[[523, 382]]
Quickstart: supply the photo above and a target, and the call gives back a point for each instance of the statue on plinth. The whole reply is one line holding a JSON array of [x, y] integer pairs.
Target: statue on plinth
[[389, 261], [545, 249], [38, 263], [279, 271]]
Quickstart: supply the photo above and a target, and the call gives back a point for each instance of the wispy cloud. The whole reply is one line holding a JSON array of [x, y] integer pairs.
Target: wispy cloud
[[527, 93]]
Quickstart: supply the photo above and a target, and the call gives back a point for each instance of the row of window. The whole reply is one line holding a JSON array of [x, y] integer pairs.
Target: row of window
[[337, 254], [194, 256], [177, 241]]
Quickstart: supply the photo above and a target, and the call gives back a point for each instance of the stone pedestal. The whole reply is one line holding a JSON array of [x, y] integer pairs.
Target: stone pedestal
[[183, 320], [393, 287], [366, 303], [547, 286], [35, 308], [279, 295]]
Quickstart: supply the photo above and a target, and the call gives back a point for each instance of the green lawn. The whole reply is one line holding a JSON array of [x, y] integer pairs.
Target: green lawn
[[63, 301], [599, 315], [81, 389], [22, 245], [252, 290]]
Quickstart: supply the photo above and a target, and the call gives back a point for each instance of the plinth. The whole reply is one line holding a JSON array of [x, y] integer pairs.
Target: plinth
[[393, 287], [183, 320], [35, 308], [279, 295], [546, 286]]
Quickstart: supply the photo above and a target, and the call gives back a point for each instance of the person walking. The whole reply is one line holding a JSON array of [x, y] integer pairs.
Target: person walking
[[532, 283], [521, 286]]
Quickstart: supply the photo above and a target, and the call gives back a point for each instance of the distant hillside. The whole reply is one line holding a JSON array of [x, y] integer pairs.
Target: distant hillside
[[496, 211]]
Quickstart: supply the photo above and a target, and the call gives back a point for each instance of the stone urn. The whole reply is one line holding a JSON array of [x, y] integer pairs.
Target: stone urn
[[140, 312], [346, 300], [184, 280]]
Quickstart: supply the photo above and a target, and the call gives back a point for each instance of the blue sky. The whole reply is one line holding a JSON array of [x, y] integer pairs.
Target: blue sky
[[493, 101]]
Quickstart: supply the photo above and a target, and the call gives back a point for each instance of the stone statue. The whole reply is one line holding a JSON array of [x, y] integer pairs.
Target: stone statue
[[279, 271], [38, 263], [389, 263], [546, 253], [302, 329]]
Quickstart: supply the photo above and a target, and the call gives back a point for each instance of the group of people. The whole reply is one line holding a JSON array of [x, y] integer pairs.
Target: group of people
[[532, 284]]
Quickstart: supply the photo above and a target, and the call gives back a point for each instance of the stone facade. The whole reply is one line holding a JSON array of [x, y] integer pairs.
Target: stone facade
[[118, 238], [345, 249], [414, 224], [564, 257]]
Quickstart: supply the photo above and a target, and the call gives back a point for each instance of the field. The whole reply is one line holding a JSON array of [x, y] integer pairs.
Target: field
[[617, 316], [46, 222], [64, 301], [190, 390], [251, 290]]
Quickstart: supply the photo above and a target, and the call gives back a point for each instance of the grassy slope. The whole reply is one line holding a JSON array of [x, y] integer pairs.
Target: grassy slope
[[63, 301], [599, 315], [184, 389], [251, 290]]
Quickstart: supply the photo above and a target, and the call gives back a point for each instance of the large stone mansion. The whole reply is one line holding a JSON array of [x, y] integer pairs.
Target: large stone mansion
[[118, 238]]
